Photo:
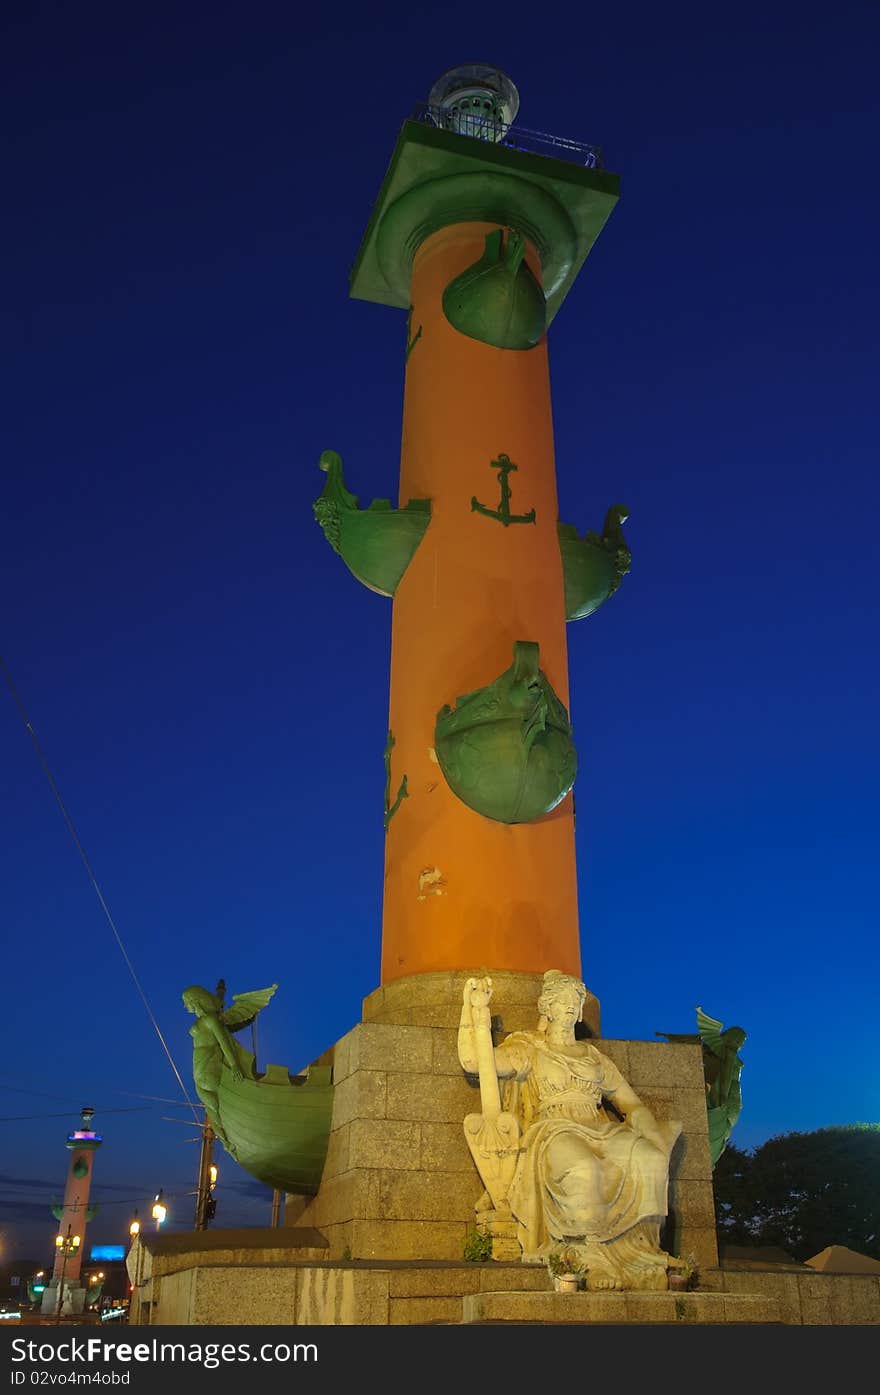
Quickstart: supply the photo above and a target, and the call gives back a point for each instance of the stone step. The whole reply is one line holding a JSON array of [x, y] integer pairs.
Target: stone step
[[433, 1293], [611, 1308]]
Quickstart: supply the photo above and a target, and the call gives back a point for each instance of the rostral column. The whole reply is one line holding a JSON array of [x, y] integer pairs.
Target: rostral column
[[478, 232], [72, 1216]]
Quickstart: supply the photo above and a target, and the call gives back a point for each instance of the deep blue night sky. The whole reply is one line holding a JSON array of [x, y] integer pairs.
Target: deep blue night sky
[[185, 189]]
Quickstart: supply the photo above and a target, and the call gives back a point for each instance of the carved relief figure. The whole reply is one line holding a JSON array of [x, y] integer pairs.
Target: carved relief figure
[[592, 1165]]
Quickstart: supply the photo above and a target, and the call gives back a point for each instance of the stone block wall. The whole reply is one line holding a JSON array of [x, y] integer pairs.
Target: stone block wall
[[846, 1300], [220, 1290], [669, 1078], [399, 1182], [434, 1000]]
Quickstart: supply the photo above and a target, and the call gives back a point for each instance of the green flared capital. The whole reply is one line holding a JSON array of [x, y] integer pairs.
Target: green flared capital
[[378, 543], [437, 178], [593, 566], [507, 750]]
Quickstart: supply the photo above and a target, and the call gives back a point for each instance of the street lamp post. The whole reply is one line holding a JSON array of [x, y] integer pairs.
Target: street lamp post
[[207, 1181], [67, 1245], [134, 1231], [160, 1210], [211, 1200], [95, 1288]]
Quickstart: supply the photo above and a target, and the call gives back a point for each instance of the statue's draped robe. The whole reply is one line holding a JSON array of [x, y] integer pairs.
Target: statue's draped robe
[[555, 1096]]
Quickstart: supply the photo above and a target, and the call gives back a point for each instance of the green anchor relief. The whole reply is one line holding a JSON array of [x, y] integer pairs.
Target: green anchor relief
[[507, 750], [402, 793], [593, 566], [378, 543], [505, 466], [498, 300]]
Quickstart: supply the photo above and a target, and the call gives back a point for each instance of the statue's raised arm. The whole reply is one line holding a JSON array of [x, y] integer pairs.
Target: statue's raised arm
[[493, 1134], [476, 1023]]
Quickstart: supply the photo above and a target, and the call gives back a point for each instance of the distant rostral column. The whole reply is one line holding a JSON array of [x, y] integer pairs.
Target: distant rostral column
[[72, 1217], [478, 232]]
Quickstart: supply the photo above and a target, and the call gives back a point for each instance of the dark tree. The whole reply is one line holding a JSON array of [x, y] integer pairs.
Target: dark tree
[[803, 1191], [734, 1202]]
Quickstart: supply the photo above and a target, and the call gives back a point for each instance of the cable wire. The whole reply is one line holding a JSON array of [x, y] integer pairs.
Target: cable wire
[[135, 1109], [99, 1109], [93, 879]]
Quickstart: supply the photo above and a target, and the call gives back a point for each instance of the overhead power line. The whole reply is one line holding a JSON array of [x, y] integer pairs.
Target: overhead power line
[[93, 879], [77, 1095], [65, 1114]]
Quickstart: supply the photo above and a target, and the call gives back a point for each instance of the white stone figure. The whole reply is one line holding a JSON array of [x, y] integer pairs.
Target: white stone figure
[[585, 1176]]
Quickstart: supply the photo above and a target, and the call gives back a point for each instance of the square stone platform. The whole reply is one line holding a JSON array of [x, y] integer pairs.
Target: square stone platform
[[382, 1242], [280, 1278], [399, 1182]]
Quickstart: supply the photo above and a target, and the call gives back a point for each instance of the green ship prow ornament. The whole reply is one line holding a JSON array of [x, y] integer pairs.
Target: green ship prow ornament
[[722, 1067], [593, 566], [274, 1124], [378, 543], [498, 300], [506, 750]]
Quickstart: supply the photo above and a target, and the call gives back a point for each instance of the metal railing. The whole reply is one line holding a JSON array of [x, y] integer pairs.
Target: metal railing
[[512, 137]]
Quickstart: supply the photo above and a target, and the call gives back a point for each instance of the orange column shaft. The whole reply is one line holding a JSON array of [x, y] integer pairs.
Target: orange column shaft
[[460, 888], [76, 1198]]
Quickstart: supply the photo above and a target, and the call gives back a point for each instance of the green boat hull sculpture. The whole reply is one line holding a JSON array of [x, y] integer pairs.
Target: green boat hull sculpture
[[378, 543], [278, 1124], [274, 1124], [593, 566]]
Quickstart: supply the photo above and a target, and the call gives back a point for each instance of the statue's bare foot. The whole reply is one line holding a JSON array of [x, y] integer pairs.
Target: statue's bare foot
[[603, 1281]]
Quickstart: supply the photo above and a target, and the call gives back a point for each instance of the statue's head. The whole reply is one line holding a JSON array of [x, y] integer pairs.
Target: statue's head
[[199, 1000], [560, 991]]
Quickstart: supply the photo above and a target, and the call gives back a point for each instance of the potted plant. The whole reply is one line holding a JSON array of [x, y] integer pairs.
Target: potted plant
[[477, 1246], [566, 1268], [683, 1273]]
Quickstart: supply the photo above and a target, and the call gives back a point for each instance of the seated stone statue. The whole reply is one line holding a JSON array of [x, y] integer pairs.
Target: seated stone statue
[[583, 1175]]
